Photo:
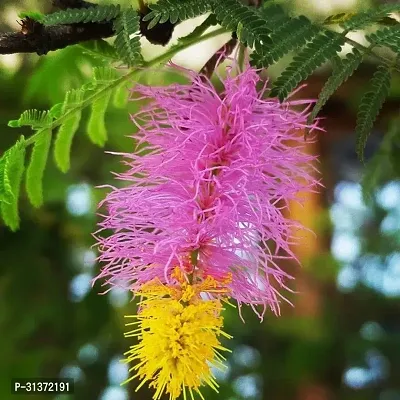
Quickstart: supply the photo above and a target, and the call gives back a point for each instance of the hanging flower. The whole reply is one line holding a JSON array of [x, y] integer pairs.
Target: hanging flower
[[201, 219], [207, 188]]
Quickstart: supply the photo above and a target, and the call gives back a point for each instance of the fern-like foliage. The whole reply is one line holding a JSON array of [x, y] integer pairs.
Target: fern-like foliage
[[381, 166], [342, 18], [252, 30], [67, 130], [363, 19], [273, 13], [96, 127], [34, 118], [268, 30], [370, 106], [175, 10], [342, 70], [128, 47], [120, 96], [6, 193], [320, 49], [100, 50], [290, 36], [389, 37], [66, 116], [12, 165], [36, 167], [74, 15]]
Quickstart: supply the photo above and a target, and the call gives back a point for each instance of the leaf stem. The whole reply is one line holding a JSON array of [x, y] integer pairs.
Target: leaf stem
[[368, 50]]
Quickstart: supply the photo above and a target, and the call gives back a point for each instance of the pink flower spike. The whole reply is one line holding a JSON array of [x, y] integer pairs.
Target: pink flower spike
[[208, 188]]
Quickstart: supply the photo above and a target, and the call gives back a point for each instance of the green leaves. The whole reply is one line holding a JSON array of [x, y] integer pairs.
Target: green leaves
[[370, 105], [250, 27], [33, 118], [175, 10], [66, 116], [74, 15], [100, 50], [363, 19], [382, 164], [96, 127], [128, 48], [67, 130], [389, 37], [36, 167], [320, 49], [12, 165], [268, 30], [342, 70], [290, 36], [6, 193]]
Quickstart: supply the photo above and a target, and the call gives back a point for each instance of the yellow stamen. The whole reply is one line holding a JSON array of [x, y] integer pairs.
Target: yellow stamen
[[178, 334]]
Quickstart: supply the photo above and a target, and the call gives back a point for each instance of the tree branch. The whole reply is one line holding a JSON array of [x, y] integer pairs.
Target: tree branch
[[42, 39], [223, 52], [34, 37]]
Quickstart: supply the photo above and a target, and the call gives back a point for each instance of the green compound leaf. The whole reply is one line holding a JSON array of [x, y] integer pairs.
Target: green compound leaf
[[74, 15], [342, 70], [320, 49], [343, 18], [175, 10], [363, 19], [380, 167], [273, 13], [370, 105], [96, 127], [6, 194], [56, 110], [36, 167], [11, 171], [252, 29], [389, 37], [100, 50], [120, 96], [128, 47], [293, 34], [34, 118], [67, 130]]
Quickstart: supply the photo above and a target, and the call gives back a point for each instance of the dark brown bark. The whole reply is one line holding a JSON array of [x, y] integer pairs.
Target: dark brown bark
[[35, 37], [42, 39]]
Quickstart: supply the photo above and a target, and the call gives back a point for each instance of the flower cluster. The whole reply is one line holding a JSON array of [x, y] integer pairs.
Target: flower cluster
[[202, 218], [179, 336]]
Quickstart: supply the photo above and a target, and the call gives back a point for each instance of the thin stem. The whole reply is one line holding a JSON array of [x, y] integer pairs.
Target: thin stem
[[132, 74], [368, 50], [242, 49]]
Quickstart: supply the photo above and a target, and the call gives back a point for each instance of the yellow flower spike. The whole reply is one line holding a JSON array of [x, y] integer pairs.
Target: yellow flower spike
[[178, 340]]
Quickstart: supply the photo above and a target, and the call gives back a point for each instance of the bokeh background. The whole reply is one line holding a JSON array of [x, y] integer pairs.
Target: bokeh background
[[340, 341]]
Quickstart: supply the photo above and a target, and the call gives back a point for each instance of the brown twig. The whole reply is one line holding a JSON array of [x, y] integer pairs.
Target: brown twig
[[35, 37], [209, 67], [41, 39]]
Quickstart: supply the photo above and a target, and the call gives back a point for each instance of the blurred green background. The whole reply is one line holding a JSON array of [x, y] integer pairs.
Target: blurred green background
[[342, 339]]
